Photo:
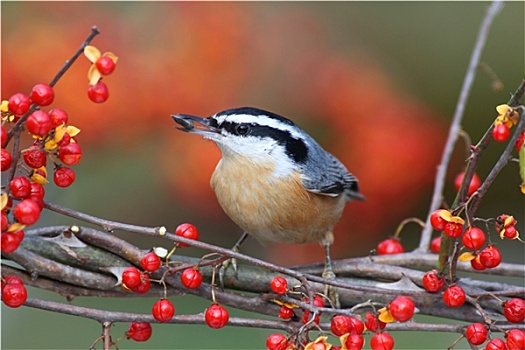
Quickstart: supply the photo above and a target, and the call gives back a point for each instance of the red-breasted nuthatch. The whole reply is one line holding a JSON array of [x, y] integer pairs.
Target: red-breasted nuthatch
[[274, 180]]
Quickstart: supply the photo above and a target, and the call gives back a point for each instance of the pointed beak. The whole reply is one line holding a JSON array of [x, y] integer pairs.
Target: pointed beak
[[194, 125]]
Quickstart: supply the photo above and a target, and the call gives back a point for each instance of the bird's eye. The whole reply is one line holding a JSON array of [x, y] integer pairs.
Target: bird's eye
[[242, 129]]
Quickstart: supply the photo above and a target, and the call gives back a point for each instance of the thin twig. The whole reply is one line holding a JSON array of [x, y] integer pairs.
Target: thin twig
[[455, 126]]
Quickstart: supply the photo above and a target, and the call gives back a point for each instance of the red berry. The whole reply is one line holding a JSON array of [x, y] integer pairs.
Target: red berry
[[163, 310], [501, 132], [216, 316], [382, 341], [475, 182], [342, 324], [98, 93], [42, 94], [496, 344], [490, 257], [473, 238], [476, 264], [144, 285], [520, 141], [515, 339], [70, 154], [476, 333], [20, 187], [131, 277], [510, 232], [66, 140], [354, 342], [454, 296], [19, 104], [64, 176], [37, 191], [188, 231], [435, 245], [372, 322], [38, 123], [276, 342], [453, 229], [279, 285], [437, 222], [150, 262], [3, 135], [105, 65], [6, 159], [285, 312], [191, 278], [58, 117], [390, 246], [35, 157], [402, 308], [514, 310], [27, 212], [433, 281], [139, 331], [11, 279], [14, 294], [9, 242]]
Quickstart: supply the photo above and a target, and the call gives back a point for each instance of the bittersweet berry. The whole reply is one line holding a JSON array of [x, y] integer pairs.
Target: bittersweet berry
[[216, 316], [501, 132], [131, 277], [402, 308], [70, 154], [163, 310], [98, 93], [144, 286], [454, 296], [150, 262], [475, 182], [27, 212], [473, 238], [38, 123], [490, 257], [19, 104], [63, 176], [382, 341], [9, 242], [58, 117], [437, 222], [354, 342], [476, 263], [514, 310], [342, 324], [35, 157], [42, 95], [14, 294], [285, 312], [515, 339], [191, 278], [279, 285], [105, 65], [11, 279], [6, 159], [476, 333], [496, 344], [188, 231], [139, 331], [372, 323], [276, 342], [390, 246], [20, 187], [453, 229], [433, 281]]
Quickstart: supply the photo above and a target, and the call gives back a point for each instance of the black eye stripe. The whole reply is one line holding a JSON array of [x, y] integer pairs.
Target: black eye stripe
[[295, 148]]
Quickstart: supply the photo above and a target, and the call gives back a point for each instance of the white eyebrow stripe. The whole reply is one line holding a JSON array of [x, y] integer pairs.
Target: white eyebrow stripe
[[262, 120]]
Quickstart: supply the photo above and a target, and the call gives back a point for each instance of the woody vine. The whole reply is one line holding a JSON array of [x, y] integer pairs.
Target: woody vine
[[81, 261]]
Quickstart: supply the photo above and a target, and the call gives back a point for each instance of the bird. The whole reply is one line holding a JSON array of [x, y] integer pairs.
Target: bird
[[274, 180]]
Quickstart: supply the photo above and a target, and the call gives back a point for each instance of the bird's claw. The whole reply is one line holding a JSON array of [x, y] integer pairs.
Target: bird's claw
[[224, 266], [331, 291]]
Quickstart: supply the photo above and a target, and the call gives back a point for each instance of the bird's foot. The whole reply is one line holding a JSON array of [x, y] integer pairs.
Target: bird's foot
[[331, 291]]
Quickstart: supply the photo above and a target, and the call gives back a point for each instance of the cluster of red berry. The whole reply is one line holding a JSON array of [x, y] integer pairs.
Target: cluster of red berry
[[349, 329], [507, 117], [216, 316], [102, 64]]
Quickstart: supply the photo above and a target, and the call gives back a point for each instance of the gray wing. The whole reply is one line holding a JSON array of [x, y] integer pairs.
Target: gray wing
[[328, 176]]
